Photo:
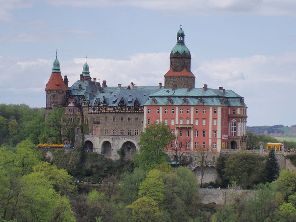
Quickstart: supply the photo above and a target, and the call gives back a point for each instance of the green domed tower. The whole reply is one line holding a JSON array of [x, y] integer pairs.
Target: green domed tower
[[180, 75], [56, 88], [180, 55], [85, 72]]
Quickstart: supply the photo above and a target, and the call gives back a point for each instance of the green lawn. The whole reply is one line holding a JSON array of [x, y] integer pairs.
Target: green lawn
[[290, 139]]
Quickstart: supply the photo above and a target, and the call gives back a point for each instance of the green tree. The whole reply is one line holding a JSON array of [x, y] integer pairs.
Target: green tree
[[69, 126], [129, 185], [3, 129], [53, 126], [153, 186], [220, 168], [180, 194], [19, 122], [286, 183], [272, 167], [245, 169], [38, 201], [261, 206], [12, 127], [145, 209], [59, 178], [152, 146], [26, 156], [286, 213], [100, 207], [9, 174], [226, 214]]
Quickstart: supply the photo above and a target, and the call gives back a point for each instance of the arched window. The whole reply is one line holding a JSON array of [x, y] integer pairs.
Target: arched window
[[233, 127]]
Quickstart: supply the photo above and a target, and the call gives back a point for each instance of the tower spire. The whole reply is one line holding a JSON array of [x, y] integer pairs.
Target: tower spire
[[180, 35], [85, 70], [56, 63]]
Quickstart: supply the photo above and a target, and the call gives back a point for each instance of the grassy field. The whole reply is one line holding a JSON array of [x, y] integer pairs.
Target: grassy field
[[290, 139]]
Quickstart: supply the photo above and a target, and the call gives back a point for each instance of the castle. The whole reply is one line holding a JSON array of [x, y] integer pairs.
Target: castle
[[114, 117]]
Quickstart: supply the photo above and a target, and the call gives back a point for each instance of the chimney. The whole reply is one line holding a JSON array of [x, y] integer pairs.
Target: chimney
[[66, 81], [220, 87], [205, 87], [160, 85], [81, 77], [104, 84], [119, 85], [94, 79]]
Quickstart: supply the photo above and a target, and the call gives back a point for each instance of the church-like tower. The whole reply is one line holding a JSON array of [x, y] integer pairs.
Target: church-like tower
[[180, 75], [56, 88], [85, 75]]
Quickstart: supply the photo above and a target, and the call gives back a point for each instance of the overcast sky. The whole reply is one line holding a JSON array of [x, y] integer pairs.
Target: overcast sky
[[248, 46]]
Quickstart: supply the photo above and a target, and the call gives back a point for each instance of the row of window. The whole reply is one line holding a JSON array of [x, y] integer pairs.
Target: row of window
[[187, 121], [235, 111], [114, 119], [129, 132], [181, 110], [196, 133], [172, 110], [196, 145]]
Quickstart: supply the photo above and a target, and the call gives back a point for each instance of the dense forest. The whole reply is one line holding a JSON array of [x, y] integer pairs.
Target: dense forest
[[74, 185]]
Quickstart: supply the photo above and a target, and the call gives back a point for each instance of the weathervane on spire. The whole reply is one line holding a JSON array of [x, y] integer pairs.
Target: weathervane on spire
[[56, 53]]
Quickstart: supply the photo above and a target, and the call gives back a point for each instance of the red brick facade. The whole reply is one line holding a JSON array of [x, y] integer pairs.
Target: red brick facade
[[200, 126]]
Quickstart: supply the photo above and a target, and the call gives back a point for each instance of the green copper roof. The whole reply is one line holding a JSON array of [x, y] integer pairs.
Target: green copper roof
[[180, 48], [196, 96], [85, 70], [180, 32], [56, 65]]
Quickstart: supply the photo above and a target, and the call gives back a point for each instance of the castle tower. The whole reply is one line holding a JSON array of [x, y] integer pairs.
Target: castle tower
[[85, 75], [56, 88], [180, 75]]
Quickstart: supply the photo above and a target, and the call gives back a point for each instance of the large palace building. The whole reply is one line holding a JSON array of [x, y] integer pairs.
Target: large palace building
[[114, 117]]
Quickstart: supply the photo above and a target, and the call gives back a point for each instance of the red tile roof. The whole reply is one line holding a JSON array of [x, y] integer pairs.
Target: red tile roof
[[184, 72], [56, 82]]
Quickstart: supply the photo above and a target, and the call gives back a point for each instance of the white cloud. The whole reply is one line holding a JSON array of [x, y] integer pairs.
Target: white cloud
[[270, 7], [7, 6], [142, 69], [267, 82]]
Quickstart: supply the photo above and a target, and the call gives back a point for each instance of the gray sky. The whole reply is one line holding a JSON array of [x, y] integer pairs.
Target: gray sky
[[248, 46]]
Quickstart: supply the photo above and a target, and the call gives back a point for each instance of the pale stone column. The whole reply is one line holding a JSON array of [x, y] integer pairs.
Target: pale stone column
[[177, 115], [145, 116], [219, 133], [210, 126]]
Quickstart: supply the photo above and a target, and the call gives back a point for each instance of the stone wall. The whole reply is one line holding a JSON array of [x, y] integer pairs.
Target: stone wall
[[116, 142], [179, 82], [223, 196], [116, 128]]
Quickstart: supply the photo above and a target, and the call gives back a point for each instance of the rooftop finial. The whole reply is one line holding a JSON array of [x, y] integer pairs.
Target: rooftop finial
[[180, 26], [56, 64], [85, 59]]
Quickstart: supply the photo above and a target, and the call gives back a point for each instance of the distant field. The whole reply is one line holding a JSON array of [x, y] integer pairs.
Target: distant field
[[290, 139]]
